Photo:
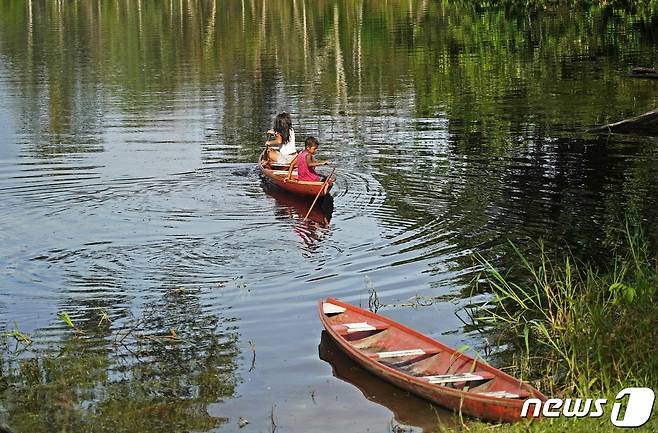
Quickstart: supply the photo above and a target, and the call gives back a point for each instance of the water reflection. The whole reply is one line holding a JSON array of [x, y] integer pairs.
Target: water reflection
[[155, 373], [311, 227], [77, 73], [406, 407], [127, 186], [297, 208]]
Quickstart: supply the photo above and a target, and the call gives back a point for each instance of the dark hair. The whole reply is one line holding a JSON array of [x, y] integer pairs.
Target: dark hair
[[310, 142], [282, 124]]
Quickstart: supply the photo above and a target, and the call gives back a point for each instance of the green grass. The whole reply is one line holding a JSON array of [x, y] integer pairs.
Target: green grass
[[580, 425], [575, 330]]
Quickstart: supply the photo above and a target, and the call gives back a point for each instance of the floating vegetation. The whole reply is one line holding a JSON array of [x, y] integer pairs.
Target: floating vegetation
[[64, 317], [19, 336], [253, 357], [104, 319], [273, 424], [418, 301], [373, 299]]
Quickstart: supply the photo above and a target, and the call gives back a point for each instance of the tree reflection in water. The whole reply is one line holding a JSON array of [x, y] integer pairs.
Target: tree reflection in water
[[152, 374]]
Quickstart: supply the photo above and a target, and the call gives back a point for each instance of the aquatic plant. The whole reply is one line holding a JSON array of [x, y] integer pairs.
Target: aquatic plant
[[575, 328], [19, 336], [64, 317]]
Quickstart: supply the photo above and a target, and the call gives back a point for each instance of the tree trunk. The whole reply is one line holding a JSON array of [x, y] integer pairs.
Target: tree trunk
[[645, 124]]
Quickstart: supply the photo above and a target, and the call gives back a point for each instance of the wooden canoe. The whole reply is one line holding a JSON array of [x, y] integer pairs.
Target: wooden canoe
[[277, 174], [423, 366], [651, 73]]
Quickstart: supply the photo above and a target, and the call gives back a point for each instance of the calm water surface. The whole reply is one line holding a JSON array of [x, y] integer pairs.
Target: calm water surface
[[131, 202]]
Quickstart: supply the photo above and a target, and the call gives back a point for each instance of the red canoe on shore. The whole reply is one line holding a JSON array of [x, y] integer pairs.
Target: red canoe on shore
[[423, 366], [277, 174]]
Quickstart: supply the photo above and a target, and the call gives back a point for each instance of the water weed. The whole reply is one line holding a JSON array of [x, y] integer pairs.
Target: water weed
[[19, 336]]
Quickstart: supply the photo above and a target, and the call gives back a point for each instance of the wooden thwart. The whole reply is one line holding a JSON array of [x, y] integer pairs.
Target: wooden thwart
[[459, 377], [349, 328], [329, 308], [357, 327], [502, 394], [398, 353]]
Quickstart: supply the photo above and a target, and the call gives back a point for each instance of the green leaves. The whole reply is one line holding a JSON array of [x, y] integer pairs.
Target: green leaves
[[64, 317], [17, 335], [622, 293]]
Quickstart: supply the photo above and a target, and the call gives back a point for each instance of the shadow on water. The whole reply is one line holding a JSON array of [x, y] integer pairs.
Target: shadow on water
[[406, 407]]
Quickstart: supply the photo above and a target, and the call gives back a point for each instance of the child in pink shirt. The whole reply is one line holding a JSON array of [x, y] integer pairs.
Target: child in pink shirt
[[306, 164]]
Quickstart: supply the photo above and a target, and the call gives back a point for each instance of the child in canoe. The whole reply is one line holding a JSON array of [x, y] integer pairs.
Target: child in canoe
[[284, 136], [306, 163]]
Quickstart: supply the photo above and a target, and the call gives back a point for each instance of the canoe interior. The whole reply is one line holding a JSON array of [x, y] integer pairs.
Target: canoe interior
[[399, 352], [277, 174]]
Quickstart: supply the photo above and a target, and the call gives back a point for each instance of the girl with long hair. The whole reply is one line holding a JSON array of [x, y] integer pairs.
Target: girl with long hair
[[284, 137]]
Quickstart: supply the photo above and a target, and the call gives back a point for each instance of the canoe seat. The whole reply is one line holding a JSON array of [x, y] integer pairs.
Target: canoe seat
[[503, 394], [329, 308], [400, 353], [348, 328], [459, 377]]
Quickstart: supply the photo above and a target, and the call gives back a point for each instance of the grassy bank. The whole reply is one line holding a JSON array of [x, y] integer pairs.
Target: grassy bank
[[561, 425], [576, 330]]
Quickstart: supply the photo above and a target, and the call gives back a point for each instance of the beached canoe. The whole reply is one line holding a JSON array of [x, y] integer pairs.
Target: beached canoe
[[277, 174], [423, 366], [651, 73]]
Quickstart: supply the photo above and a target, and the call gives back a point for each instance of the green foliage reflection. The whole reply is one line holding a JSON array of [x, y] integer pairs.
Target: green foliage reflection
[[133, 378]]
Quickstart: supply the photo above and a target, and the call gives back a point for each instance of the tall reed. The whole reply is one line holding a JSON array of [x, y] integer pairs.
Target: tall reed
[[575, 328]]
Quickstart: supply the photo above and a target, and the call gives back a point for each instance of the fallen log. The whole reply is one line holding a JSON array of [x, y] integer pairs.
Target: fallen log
[[645, 124], [644, 73]]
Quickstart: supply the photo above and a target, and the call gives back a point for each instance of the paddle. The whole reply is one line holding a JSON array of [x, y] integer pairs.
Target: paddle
[[324, 185]]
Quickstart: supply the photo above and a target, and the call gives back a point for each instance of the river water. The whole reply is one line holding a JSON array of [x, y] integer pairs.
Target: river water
[[130, 201]]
